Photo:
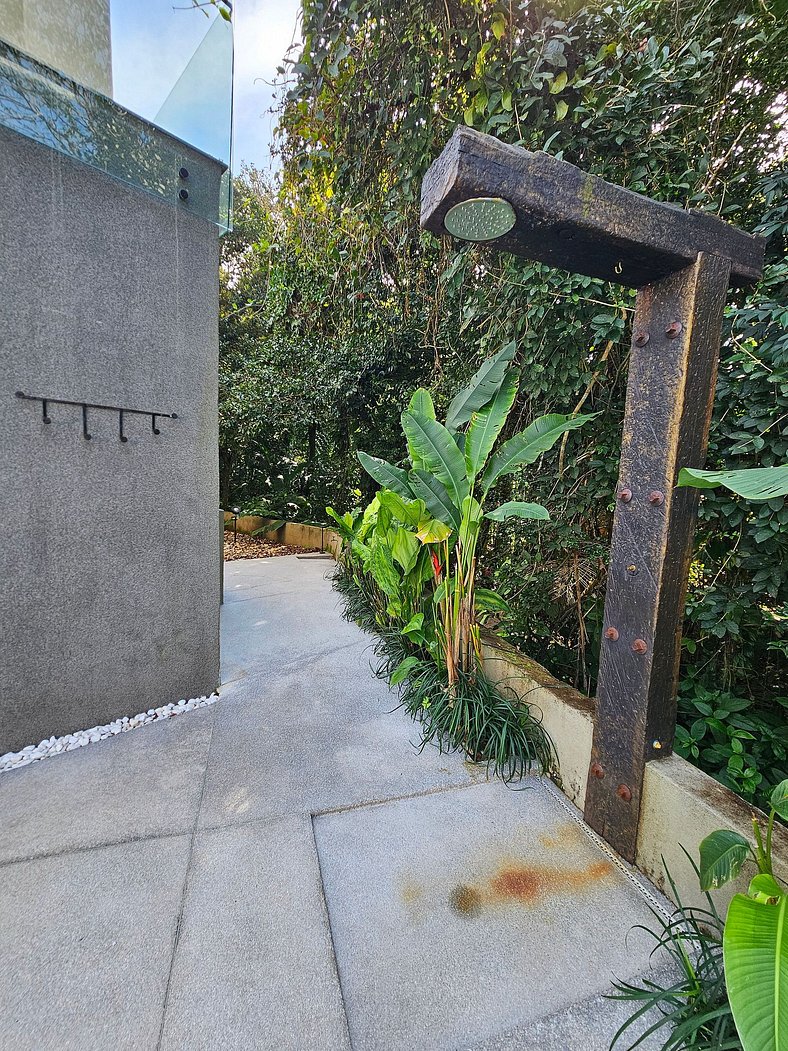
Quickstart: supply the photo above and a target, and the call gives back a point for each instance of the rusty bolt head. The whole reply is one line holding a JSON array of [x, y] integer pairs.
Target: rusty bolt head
[[611, 633], [675, 328], [639, 646], [656, 497], [624, 792], [625, 495], [597, 770], [641, 338]]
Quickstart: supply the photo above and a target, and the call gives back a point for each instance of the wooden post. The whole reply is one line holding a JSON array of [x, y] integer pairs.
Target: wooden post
[[670, 394], [681, 262]]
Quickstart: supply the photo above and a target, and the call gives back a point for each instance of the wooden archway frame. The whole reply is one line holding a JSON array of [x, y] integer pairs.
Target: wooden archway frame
[[681, 262]]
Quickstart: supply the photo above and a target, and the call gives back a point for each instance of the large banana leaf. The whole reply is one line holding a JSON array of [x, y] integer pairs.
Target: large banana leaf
[[408, 511], [757, 483], [482, 388], [386, 474], [438, 453], [436, 496], [755, 954], [421, 401], [528, 445], [518, 509], [487, 423]]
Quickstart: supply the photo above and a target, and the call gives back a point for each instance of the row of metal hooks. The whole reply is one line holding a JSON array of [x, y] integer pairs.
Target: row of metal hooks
[[121, 410]]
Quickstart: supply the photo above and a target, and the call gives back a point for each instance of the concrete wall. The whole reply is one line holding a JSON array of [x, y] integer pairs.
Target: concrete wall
[[73, 38], [109, 562], [294, 534], [681, 805]]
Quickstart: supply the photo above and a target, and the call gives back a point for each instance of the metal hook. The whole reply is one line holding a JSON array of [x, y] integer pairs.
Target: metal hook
[[619, 267], [154, 428], [122, 436], [85, 433]]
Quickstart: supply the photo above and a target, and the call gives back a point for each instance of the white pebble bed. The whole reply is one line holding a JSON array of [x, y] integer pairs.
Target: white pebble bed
[[55, 745]]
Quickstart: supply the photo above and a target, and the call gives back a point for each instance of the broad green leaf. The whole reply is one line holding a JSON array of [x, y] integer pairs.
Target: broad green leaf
[[487, 423], [435, 496], [779, 800], [757, 483], [407, 511], [471, 520], [438, 452], [345, 523], [405, 549], [414, 628], [722, 855], [561, 109], [764, 887], [485, 599], [498, 25], [755, 956], [386, 474], [421, 401], [558, 83], [403, 669], [383, 570], [431, 531], [518, 509], [529, 444], [482, 388]]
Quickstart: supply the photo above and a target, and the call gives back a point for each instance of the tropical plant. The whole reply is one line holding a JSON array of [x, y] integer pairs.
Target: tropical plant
[[453, 468], [757, 483], [755, 940], [693, 1006]]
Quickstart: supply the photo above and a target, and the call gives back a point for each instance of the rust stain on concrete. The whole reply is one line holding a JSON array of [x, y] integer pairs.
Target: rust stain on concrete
[[523, 884]]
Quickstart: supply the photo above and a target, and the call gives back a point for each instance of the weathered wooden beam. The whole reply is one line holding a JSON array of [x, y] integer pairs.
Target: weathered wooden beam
[[670, 394], [579, 222]]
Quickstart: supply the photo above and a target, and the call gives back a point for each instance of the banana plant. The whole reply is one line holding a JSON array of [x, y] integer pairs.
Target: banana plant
[[755, 940], [755, 483], [453, 467], [390, 542]]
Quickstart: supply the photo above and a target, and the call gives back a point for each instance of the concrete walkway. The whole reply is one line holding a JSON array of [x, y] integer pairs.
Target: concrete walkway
[[283, 871]]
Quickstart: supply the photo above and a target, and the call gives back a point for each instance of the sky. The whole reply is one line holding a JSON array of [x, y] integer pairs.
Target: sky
[[264, 30], [168, 62]]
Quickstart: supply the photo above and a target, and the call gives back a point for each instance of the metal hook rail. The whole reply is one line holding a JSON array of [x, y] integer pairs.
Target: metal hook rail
[[121, 410]]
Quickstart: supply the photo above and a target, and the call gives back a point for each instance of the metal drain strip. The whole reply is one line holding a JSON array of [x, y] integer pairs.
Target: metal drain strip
[[637, 881]]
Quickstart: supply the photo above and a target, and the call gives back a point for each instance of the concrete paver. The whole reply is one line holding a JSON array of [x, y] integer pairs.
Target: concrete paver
[[471, 911], [283, 870], [141, 783], [254, 928], [87, 941]]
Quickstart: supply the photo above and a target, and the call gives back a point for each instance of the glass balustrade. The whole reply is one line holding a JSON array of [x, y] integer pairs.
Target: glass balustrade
[[102, 80]]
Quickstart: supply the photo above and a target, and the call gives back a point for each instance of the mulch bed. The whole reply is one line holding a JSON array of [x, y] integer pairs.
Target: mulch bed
[[257, 547]]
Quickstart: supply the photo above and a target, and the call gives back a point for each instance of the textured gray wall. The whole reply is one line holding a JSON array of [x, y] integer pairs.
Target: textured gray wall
[[110, 562]]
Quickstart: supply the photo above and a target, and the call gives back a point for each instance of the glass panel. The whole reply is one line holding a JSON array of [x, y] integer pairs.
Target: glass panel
[[99, 85]]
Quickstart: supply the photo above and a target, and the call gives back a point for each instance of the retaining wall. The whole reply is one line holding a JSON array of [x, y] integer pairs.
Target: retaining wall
[[681, 805]]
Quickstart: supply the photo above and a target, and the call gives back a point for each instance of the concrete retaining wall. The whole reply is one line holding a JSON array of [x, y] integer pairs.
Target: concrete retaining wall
[[681, 805], [294, 534], [110, 566]]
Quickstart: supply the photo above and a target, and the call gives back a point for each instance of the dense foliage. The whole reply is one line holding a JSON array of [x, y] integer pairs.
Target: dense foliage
[[335, 306]]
